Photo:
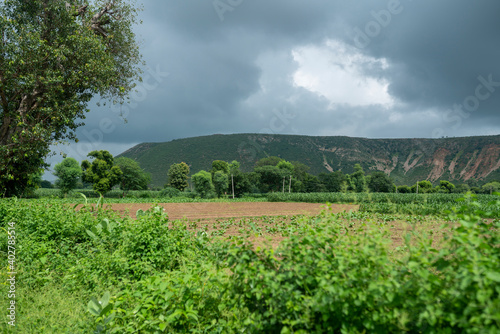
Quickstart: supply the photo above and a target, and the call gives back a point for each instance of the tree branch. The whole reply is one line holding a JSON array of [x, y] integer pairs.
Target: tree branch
[[77, 11], [5, 102], [97, 22]]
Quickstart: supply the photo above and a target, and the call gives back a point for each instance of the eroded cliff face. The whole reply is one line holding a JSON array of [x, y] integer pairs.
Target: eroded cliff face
[[461, 167], [483, 164], [438, 164], [459, 161]]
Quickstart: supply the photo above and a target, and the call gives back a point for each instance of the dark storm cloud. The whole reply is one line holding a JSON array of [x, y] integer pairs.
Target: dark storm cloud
[[440, 49], [231, 70]]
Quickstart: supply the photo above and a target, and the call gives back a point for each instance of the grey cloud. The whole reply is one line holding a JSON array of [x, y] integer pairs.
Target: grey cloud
[[232, 76]]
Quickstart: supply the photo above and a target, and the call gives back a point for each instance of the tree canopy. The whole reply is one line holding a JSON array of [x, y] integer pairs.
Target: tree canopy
[[54, 57], [68, 173], [381, 182], [334, 181], [220, 182], [178, 176], [203, 183], [446, 186], [134, 177], [101, 172], [220, 165], [268, 161], [358, 180]]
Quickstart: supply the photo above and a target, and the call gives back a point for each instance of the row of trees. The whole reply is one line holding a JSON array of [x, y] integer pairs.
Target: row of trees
[[222, 177], [271, 174], [103, 172], [425, 186], [274, 174]]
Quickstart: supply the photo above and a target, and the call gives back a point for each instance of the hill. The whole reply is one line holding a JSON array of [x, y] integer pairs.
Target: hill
[[460, 160]]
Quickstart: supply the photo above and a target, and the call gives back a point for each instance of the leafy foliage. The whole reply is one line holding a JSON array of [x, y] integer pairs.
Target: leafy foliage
[[134, 177], [239, 180], [69, 173], [153, 275], [220, 182], [268, 161], [203, 183], [446, 186], [220, 166], [101, 172], [422, 187], [170, 192], [380, 182], [178, 176], [271, 178], [357, 179], [334, 182], [54, 59], [491, 187]]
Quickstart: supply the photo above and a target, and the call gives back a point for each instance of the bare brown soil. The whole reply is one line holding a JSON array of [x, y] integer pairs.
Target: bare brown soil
[[211, 217], [209, 211]]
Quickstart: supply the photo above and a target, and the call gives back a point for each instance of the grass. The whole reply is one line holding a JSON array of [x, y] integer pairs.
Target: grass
[[50, 309]]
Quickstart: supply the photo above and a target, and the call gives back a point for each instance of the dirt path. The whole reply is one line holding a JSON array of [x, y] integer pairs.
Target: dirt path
[[227, 210]]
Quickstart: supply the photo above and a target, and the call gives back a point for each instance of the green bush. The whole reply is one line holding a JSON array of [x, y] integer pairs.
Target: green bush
[[173, 302], [170, 192], [327, 279]]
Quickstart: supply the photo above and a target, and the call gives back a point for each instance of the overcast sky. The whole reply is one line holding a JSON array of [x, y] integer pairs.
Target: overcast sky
[[376, 69]]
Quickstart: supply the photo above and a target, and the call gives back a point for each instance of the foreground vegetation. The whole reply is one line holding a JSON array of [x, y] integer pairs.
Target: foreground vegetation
[[94, 271]]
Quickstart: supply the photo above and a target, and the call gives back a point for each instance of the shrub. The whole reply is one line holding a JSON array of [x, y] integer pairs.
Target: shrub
[[170, 192]]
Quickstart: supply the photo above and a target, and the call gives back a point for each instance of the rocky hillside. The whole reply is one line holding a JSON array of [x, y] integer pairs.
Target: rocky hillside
[[459, 160]]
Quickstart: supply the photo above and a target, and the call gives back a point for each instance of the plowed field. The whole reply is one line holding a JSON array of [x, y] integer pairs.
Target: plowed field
[[226, 210]]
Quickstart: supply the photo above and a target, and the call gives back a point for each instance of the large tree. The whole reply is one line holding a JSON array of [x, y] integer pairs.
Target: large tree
[[178, 176], [491, 187], [446, 186], [268, 161], [358, 180], [380, 182], [68, 173], [334, 181], [134, 177], [239, 180], [102, 172], [220, 182], [221, 175], [271, 178], [219, 165], [54, 57], [203, 183], [422, 187]]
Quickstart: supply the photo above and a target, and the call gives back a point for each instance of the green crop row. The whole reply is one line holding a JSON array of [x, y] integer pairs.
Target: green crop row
[[136, 196], [417, 204], [358, 198]]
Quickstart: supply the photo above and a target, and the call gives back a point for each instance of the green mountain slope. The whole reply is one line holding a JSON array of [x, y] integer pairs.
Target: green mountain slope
[[459, 160]]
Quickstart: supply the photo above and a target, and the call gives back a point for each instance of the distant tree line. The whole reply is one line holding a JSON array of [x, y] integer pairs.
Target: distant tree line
[[102, 173], [270, 174], [274, 174]]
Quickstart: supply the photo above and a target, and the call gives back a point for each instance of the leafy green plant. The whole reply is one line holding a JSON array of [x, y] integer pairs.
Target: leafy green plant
[[103, 228], [174, 302], [101, 310]]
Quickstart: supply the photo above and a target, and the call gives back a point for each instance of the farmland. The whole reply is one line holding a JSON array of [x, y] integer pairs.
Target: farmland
[[369, 263]]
